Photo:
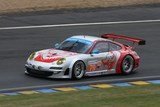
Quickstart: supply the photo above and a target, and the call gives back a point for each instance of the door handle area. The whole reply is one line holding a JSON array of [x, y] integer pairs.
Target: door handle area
[[109, 56]]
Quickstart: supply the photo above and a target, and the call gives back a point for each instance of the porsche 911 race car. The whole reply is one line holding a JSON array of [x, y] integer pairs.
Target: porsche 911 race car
[[83, 55]]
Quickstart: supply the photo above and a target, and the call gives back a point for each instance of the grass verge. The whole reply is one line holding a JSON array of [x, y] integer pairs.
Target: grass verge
[[8, 6], [137, 96]]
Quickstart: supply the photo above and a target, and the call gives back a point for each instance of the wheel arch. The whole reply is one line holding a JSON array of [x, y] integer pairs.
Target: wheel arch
[[72, 69], [120, 60], [74, 61]]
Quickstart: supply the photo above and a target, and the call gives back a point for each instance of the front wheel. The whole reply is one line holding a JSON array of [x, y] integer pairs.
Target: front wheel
[[78, 70], [127, 64]]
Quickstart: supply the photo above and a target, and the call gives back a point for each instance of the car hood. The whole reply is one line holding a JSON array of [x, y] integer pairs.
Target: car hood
[[51, 55]]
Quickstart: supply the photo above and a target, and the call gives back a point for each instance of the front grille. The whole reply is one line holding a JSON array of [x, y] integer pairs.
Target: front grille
[[39, 73], [58, 68]]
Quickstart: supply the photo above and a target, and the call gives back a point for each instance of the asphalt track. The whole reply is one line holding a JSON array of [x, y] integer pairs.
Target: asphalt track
[[17, 44]]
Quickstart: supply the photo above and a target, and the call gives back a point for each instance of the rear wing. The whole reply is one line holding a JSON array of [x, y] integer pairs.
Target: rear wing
[[123, 37]]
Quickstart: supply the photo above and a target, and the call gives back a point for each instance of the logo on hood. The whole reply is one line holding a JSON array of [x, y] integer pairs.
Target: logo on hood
[[51, 55]]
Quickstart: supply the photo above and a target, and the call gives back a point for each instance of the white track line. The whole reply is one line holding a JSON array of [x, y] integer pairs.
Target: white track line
[[78, 24], [81, 83]]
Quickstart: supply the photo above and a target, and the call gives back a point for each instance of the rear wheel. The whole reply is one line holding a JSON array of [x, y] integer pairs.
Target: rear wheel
[[127, 64], [78, 70]]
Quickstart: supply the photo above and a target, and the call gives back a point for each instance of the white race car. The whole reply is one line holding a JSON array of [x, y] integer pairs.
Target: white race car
[[82, 55]]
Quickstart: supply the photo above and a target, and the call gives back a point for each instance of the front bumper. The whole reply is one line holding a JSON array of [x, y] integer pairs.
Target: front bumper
[[38, 72], [47, 71]]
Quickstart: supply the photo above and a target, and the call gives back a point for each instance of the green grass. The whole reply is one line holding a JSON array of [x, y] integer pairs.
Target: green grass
[[137, 96]]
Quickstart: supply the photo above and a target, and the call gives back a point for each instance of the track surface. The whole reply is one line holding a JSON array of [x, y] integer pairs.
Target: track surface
[[16, 45]]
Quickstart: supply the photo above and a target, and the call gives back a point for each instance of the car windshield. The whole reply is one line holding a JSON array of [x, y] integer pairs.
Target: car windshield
[[75, 45]]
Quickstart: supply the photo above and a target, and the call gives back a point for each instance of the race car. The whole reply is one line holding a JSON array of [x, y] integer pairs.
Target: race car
[[83, 55]]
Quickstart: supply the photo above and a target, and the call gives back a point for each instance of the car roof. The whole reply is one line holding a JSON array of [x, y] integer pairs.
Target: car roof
[[89, 38]]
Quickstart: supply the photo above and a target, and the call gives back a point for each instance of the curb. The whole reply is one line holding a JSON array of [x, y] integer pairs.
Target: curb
[[80, 87]]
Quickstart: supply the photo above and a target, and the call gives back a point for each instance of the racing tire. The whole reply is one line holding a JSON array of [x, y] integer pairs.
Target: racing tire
[[78, 70], [127, 65]]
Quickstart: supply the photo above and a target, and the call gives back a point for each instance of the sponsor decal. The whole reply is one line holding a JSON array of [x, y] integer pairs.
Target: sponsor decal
[[93, 65], [110, 61]]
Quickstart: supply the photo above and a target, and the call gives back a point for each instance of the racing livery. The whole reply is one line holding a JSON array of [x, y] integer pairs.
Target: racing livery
[[83, 55]]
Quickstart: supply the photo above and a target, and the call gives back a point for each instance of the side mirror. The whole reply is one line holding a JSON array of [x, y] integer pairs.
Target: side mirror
[[96, 51], [56, 45]]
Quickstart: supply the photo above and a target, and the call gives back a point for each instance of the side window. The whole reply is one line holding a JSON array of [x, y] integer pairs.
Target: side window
[[114, 47], [101, 47]]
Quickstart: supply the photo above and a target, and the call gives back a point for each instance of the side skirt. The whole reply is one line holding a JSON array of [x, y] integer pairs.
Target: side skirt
[[103, 72]]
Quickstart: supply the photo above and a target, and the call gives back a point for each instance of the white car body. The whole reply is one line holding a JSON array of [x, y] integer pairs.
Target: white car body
[[44, 62]]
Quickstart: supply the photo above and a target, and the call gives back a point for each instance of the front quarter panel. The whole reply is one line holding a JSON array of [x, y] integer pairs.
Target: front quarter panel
[[70, 61], [82, 57]]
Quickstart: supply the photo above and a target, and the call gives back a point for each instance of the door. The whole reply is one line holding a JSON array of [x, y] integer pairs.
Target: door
[[101, 59]]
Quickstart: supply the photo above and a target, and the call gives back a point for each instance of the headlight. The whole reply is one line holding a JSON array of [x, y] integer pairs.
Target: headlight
[[31, 56], [61, 61]]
